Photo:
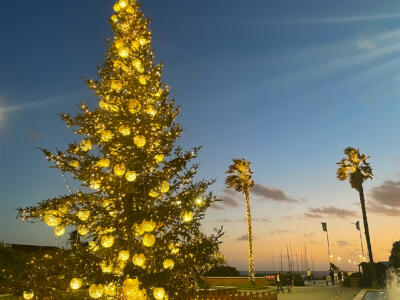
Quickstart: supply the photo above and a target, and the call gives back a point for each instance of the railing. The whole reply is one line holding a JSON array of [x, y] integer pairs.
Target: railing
[[236, 295]]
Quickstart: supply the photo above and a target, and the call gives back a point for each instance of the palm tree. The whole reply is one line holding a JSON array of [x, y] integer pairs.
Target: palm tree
[[356, 168], [239, 179]]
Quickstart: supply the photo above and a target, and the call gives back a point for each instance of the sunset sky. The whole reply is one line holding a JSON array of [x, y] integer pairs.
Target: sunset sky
[[285, 84]]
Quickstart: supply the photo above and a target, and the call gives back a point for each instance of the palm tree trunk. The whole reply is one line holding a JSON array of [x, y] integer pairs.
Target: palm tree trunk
[[365, 220], [374, 277], [250, 237]]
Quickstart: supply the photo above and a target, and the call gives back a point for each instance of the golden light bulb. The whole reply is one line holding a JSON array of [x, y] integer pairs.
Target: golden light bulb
[[168, 264], [104, 105], [103, 163], [83, 214], [151, 110], [124, 130], [52, 218], [143, 41], [159, 157], [114, 18], [187, 216], [119, 169], [106, 135], [139, 260], [158, 293], [96, 291], [123, 255], [134, 106], [130, 176], [28, 294], [117, 7], [74, 163], [123, 52], [158, 93], [199, 201], [164, 187], [85, 145], [59, 230], [139, 140], [123, 3], [148, 240], [75, 283], [107, 241]]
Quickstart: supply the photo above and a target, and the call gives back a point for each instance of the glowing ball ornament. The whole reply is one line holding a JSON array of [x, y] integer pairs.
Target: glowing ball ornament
[[114, 18], [134, 106], [143, 41], [59, 230], [158, 293], [119, 44], [96, 291], [28, 294], [137, 64], [104, 105], [148, 240], [93, 246], [119, 169], [107, 241], [95, 184], [187, 216], [164, 187], [117, 7], [123, 3], [153, 193], [159, 157], [135, 45], [123, 255], [83, 230], [75, 283], [123, 52], [139, 260], [110, 289], [168, 264], [130, 176], [151, 110], [116, 85], [74, 163], [106, 135], [139, 141], [148, 226], [124, 130], [142, 79], [199, 201], [103, 163], [52, 218], [83, 214], [85, 145]]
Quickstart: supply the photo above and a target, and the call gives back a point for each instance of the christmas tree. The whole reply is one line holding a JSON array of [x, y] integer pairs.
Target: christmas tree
[[137, 214]]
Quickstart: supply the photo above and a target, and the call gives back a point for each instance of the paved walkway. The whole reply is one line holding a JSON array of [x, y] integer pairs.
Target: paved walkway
[[320, 292]]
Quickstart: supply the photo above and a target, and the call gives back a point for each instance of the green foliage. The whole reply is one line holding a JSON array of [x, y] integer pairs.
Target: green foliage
[[394, 258]]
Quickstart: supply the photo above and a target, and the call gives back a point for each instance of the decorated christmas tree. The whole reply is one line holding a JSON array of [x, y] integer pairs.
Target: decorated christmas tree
[[135, 220]]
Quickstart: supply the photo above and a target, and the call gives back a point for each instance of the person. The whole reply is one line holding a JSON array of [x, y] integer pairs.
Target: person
[[309, 276], [279, 283], [340, 276], [289, 282], [332, 275], [327, 278]]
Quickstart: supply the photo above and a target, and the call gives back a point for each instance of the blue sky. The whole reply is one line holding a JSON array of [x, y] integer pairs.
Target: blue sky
[[286, 84]]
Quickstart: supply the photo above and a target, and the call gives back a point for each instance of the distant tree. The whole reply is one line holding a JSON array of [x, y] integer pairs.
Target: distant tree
[[394, 258], [239, 179], [223, 270]]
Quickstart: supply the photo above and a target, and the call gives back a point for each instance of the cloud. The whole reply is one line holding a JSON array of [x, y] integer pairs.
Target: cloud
[[263, 219], [271, 193], [383, 210], [242, 238], [366, 44], [230, 198], [279, 231], [388, 193], [342, 243], [224, 220], [329, 211]]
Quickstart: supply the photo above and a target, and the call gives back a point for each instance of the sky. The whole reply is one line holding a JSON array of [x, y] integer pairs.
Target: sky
[[285, 84]]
